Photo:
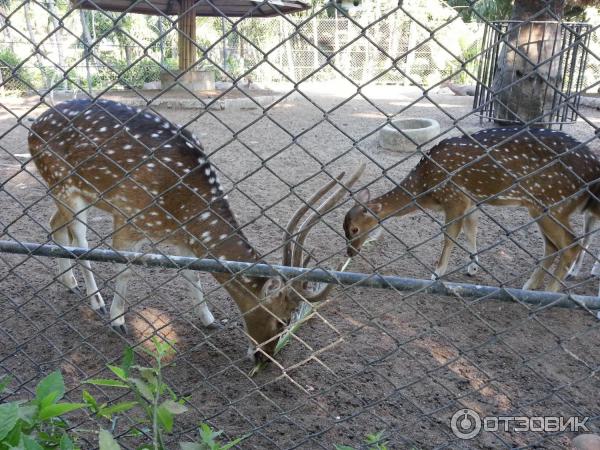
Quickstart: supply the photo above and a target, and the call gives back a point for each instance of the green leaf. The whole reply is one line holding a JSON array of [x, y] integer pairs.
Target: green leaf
[[52, 383], [142, 388], [207, 434], [89, 400], [59, 409], [118, 372], [66, 443], [148, 374], [232, 443], [9, 415], [191, 446], [30, 444], [14, 437], [115, 409], [27, 413], [174, 407], [165, 418], [107, 382], [4, 381], [374, 438], [49, 399], [127, 361], [107, 442]]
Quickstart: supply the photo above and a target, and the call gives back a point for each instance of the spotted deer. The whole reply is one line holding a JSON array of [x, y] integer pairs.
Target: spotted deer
[[545, 171], [157, 183]]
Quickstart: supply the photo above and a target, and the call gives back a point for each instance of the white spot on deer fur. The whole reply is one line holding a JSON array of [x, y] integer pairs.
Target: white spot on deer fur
[[207, 171], [127, 147], [222, 236], [205, 215]]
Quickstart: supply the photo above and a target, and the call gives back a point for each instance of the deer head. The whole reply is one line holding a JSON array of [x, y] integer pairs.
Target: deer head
[[360, 221], [277, 300]]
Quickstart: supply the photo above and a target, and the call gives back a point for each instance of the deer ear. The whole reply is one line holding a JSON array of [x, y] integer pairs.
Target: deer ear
[[362, 196], [271, 286]]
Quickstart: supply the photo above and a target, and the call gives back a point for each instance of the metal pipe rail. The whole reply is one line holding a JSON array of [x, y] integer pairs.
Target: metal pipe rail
[[537, 298]]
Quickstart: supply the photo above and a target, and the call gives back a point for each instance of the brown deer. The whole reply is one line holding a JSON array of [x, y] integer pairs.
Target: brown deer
[[157, 183], [545, 171]]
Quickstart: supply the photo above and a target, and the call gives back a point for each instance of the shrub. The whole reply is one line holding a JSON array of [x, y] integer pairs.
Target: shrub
[[38, 424], [16, 80]]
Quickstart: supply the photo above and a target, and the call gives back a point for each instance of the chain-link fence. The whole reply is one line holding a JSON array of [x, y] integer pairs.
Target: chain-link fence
[[179, 188]]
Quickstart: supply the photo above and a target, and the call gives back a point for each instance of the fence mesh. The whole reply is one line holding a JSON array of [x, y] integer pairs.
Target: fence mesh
[[111, 152]]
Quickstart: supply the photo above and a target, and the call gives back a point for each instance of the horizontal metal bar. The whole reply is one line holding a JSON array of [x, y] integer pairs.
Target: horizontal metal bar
[[538, 298]]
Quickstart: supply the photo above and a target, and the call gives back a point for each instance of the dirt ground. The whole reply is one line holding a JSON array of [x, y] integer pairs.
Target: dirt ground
[[370, 360]]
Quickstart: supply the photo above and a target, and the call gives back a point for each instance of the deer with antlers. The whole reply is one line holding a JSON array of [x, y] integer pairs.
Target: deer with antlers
[[157, 183], [545, 171]]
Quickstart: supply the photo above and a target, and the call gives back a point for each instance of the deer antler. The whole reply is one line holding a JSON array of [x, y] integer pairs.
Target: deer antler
[[293, 222], [297, 248]]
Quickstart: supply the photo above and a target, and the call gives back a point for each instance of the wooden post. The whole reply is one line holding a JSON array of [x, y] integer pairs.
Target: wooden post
[[187, 34]]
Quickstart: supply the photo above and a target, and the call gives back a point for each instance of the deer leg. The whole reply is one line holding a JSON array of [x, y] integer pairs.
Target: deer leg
[[450, 236], [123, 239], [470, 230], [537, 277], [62, 236], [589, 223], [78, 229], [564, 239], [193, 279]]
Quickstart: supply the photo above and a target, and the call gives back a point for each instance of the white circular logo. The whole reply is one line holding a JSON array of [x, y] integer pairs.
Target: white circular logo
[[465, 424]]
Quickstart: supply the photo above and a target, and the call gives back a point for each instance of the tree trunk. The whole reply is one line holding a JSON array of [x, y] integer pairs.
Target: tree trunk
[[528, 73], [87, 39], [57, 37], [38, 51], [4, 11]]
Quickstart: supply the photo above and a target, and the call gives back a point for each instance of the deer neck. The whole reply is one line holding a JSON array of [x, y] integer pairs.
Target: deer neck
[[397, 202], [226, 243]]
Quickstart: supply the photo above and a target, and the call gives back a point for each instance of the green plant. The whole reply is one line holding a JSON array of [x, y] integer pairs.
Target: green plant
[[208, 440], [156, 399], [373, 442], [14, 80], [149, 389], [38, 424]]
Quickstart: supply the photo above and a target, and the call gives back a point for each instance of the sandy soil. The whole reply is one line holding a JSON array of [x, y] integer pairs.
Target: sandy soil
[[371, 359]]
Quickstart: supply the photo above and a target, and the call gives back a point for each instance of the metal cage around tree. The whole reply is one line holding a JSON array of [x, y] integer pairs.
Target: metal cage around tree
[[509, 69]]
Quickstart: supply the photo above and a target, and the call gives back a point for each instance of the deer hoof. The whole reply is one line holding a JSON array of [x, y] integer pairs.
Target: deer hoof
[[472, 269], [102, 310], [120, 329], [75, 290], [214, 326]]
